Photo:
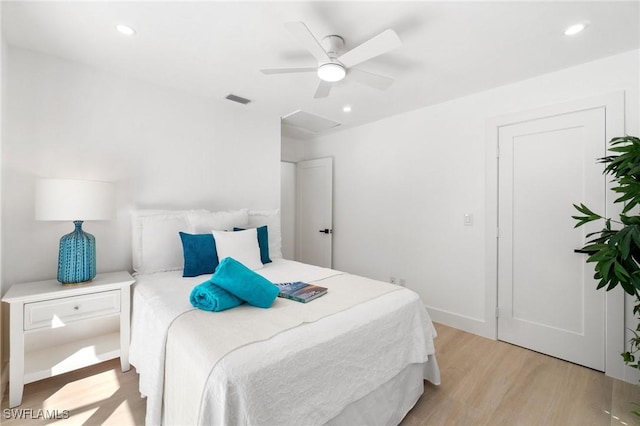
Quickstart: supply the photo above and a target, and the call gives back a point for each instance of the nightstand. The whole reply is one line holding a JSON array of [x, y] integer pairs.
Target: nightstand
[[55, 329]]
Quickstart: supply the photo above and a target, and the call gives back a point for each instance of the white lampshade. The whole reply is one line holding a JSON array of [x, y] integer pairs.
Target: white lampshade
[[69, 199]]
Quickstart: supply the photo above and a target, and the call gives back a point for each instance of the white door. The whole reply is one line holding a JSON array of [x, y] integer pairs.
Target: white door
[[547, 298], [314, 217]]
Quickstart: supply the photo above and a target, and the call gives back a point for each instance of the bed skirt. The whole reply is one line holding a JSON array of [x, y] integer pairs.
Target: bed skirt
[[388, 404]]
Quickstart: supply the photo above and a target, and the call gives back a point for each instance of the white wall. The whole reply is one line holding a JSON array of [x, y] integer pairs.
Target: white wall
[[163, 148], [4, 314], [402, 186], [292, 149]]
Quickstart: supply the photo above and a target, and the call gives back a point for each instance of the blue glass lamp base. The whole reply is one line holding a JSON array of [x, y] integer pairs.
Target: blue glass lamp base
[[77, 256]]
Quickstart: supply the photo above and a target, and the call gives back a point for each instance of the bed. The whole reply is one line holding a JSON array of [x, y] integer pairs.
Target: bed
[[357, 355]]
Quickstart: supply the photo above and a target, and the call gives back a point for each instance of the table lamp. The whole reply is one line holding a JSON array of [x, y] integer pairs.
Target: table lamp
[[77, 201]]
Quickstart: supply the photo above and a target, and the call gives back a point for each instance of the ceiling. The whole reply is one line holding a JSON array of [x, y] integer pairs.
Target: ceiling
[[211, 48]]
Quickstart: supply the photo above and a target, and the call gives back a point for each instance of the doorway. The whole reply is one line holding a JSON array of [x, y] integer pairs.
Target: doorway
[[314, 214], [531, 299], [547, 298]]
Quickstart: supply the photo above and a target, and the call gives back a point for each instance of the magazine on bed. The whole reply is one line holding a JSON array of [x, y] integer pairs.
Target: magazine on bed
[[300, 291]]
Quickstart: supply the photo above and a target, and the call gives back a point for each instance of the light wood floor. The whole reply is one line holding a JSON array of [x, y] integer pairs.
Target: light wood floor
[[484, 382]]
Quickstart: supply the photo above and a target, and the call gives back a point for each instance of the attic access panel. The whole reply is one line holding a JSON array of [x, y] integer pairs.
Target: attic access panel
[[309, 122]]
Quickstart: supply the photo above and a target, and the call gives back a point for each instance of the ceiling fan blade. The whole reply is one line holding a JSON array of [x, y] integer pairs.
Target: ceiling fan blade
[[370, 79], [300, 31], [323, 90], [382, 43], [287, 70]]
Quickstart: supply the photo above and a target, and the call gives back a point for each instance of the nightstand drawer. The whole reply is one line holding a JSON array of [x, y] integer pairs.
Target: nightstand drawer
[[56, 312]]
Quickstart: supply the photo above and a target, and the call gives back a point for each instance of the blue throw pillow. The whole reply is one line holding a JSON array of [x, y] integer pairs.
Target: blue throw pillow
[[263, 243], [200, 255]]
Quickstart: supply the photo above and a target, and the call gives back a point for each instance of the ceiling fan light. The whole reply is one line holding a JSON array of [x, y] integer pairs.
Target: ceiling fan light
[[331, 72]]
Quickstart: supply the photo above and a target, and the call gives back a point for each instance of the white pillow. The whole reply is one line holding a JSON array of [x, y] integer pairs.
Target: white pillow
[[240, 245], [155, 240], [203, 221], [271, 218]]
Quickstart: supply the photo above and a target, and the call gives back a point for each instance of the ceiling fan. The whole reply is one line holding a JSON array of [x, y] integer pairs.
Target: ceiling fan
[[333, 65]]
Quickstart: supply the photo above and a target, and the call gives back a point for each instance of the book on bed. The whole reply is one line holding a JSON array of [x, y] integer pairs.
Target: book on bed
[[300, 291]]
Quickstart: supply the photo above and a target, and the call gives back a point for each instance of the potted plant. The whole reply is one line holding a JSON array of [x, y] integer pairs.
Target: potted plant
[[615, 249]]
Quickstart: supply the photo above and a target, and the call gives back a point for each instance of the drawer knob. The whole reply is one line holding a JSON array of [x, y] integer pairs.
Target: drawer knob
[[76, 308]]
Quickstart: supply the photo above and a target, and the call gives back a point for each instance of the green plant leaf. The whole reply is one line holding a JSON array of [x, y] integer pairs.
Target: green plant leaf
[[625, 148], [585, 210], [590, 216], [605, 268], [627, 287], [625, 244], [621, 271]]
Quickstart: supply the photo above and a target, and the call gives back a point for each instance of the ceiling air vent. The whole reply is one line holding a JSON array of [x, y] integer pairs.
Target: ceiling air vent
[[310, 122], [238, 99]]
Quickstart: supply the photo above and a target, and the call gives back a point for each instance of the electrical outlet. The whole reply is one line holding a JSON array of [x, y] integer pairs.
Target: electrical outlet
[[392, 280], [403, 282]]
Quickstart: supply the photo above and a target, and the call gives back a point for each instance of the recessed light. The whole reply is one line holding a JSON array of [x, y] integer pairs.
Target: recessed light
[[125, 29], [346, 108], [575, 29]]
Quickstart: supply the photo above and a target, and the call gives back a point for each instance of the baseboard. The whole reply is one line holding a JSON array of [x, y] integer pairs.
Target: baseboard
[[4, 379], [461, 322]]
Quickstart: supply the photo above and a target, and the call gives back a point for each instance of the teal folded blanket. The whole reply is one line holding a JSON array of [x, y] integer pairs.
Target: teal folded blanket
[[210, 297], [245, 284]]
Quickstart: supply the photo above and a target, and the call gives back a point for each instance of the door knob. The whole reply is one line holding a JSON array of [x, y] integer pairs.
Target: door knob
[[583, 251], [326, 231]]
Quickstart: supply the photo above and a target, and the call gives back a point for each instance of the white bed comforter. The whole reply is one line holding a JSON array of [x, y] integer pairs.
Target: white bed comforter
[[369, 343]]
